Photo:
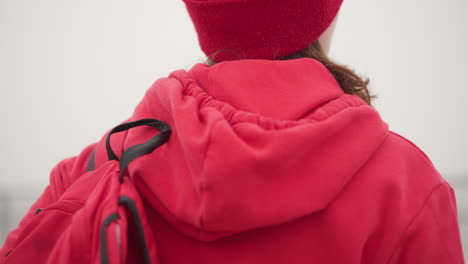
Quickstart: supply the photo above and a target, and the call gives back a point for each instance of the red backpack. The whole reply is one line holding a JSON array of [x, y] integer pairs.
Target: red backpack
[[99, 217]]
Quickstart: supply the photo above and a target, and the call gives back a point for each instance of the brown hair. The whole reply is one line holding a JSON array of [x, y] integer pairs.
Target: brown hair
[[349, 81]]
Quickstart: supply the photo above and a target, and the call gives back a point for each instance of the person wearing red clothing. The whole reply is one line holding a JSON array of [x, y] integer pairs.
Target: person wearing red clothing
[[276, 155]]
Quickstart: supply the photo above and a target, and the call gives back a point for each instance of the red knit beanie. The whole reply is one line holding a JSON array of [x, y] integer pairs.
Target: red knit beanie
[[259, 29]]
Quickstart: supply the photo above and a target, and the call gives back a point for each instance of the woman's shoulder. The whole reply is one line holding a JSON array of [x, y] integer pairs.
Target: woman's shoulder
[[406, 169]]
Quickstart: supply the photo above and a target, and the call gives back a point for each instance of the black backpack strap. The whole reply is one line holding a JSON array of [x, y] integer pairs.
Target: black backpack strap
[[135, 151], [128, 156], [140, 149], [105, 224], [91, 162], [131, 206]]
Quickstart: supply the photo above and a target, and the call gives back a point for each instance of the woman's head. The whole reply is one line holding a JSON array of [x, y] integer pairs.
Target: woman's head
[[259, 29]]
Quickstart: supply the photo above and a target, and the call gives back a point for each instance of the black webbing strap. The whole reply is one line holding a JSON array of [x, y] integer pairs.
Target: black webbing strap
[[105, 224], [92, 157], [138, 150], [128, 156], [130, 204]]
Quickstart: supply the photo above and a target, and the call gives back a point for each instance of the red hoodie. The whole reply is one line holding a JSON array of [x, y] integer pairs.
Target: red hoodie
[[270, 162]]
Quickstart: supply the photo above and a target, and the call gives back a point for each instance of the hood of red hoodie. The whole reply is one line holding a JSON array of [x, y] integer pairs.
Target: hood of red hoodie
[[255, 143]]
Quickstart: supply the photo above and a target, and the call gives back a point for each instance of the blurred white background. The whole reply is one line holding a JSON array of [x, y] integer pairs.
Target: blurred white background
[[71, 70]]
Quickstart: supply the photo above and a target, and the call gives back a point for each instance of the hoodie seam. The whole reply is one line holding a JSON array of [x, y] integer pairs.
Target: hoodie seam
[[202, 184], [445, 242], [412, 220]]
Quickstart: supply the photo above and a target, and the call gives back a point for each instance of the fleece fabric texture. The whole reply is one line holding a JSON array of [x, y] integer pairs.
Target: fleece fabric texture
[[268, 162], [259, 29]]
